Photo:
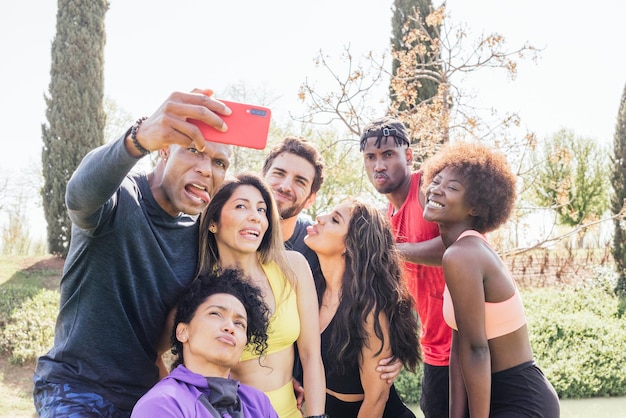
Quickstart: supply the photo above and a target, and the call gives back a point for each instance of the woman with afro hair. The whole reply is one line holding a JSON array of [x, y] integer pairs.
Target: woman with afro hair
[[470, 190]]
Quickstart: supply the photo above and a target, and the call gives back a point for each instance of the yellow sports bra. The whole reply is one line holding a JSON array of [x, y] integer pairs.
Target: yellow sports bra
[[501, 318], [284, 325]]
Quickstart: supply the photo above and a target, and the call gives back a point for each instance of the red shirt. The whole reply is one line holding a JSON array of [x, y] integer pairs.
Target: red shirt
[[426, 283]]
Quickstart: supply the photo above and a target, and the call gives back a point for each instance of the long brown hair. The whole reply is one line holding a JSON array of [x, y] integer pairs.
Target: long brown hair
[[272, 247], [373, 283]]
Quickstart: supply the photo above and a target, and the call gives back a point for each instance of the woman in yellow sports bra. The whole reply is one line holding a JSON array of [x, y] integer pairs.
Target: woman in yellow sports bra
[[470, 190], [240, 228]]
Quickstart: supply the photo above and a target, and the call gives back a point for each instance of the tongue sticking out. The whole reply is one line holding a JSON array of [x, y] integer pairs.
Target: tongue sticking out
[[200, 193]]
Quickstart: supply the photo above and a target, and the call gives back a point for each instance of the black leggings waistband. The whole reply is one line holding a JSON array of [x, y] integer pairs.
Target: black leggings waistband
[[514, 369]]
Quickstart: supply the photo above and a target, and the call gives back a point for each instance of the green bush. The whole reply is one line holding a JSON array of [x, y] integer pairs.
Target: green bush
[[11, 298], [29, 332], [578, 340], [409, 385]]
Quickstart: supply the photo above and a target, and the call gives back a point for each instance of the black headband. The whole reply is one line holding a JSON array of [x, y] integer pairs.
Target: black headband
[[385, 131]]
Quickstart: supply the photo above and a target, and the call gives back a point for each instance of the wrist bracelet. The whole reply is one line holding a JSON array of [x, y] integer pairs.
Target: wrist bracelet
[[133, 136], [317, 416]]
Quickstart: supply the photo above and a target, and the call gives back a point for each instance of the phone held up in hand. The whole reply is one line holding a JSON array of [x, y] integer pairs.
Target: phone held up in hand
[[248, 126]]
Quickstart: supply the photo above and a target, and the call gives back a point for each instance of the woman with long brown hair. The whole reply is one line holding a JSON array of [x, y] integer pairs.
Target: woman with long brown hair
[[366, 312], [240, 229]]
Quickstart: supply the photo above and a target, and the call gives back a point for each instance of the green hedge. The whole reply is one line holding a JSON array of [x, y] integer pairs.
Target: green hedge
[[579, 342]]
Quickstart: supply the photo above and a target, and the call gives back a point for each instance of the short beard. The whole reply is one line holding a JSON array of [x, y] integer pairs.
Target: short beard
[[291, 211], [386, 190]]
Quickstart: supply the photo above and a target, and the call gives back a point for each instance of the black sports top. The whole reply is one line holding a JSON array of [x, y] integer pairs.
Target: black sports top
[[348, 383]]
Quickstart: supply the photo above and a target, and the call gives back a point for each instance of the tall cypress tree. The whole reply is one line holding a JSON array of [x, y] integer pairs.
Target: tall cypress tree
[[618, 180], [401, 23], [75, 110]]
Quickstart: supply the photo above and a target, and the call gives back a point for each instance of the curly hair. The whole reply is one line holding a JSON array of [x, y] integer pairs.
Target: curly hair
[[231, 282], [304, 149], [372, 284], [487, 177]]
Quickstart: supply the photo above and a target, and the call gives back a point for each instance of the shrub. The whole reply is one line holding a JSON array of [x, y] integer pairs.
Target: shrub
[[29, 332], [409, 385], [11, 298], [578, 341]]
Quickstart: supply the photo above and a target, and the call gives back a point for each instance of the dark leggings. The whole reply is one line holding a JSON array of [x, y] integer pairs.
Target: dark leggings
[[54, 400], [523, 391], [435, 391]]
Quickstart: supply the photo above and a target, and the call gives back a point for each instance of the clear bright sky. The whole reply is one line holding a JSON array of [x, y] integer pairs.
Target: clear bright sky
[[155, 47]]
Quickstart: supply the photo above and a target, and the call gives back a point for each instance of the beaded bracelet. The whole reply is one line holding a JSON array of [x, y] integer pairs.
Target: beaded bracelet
[[133, 136]]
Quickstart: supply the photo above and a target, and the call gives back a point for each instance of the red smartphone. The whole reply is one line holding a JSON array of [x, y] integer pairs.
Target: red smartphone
[[248, 126]]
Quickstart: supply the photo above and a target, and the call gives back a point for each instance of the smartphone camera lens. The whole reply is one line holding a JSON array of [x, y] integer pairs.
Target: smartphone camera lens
[[258, 112]]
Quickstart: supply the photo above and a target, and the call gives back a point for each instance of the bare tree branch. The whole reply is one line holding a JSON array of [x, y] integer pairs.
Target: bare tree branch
[[576, 230]]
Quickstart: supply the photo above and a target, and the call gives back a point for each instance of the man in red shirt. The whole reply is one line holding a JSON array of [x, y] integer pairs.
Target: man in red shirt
[[388, 160]]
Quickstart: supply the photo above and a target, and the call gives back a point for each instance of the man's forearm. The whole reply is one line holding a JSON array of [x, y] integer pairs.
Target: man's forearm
[[428, 253]]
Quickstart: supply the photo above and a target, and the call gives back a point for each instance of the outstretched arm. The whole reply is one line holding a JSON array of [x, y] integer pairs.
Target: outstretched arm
[[102, 170], [428, 253]]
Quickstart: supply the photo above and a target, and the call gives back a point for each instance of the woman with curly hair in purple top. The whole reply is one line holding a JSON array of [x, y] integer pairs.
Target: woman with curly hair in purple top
[[220, 314]]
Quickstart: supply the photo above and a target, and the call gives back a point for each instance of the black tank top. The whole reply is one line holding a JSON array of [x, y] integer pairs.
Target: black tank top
[[348, 383]]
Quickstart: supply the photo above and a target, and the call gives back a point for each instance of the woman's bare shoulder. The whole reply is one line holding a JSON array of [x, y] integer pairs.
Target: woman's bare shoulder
[[295, 256]]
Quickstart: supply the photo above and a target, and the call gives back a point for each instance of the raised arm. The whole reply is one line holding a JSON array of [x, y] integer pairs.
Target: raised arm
[[102, 170], [95, 181]]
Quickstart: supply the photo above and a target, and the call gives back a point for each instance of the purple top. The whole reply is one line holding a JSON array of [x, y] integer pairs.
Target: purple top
[[177, 395]]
